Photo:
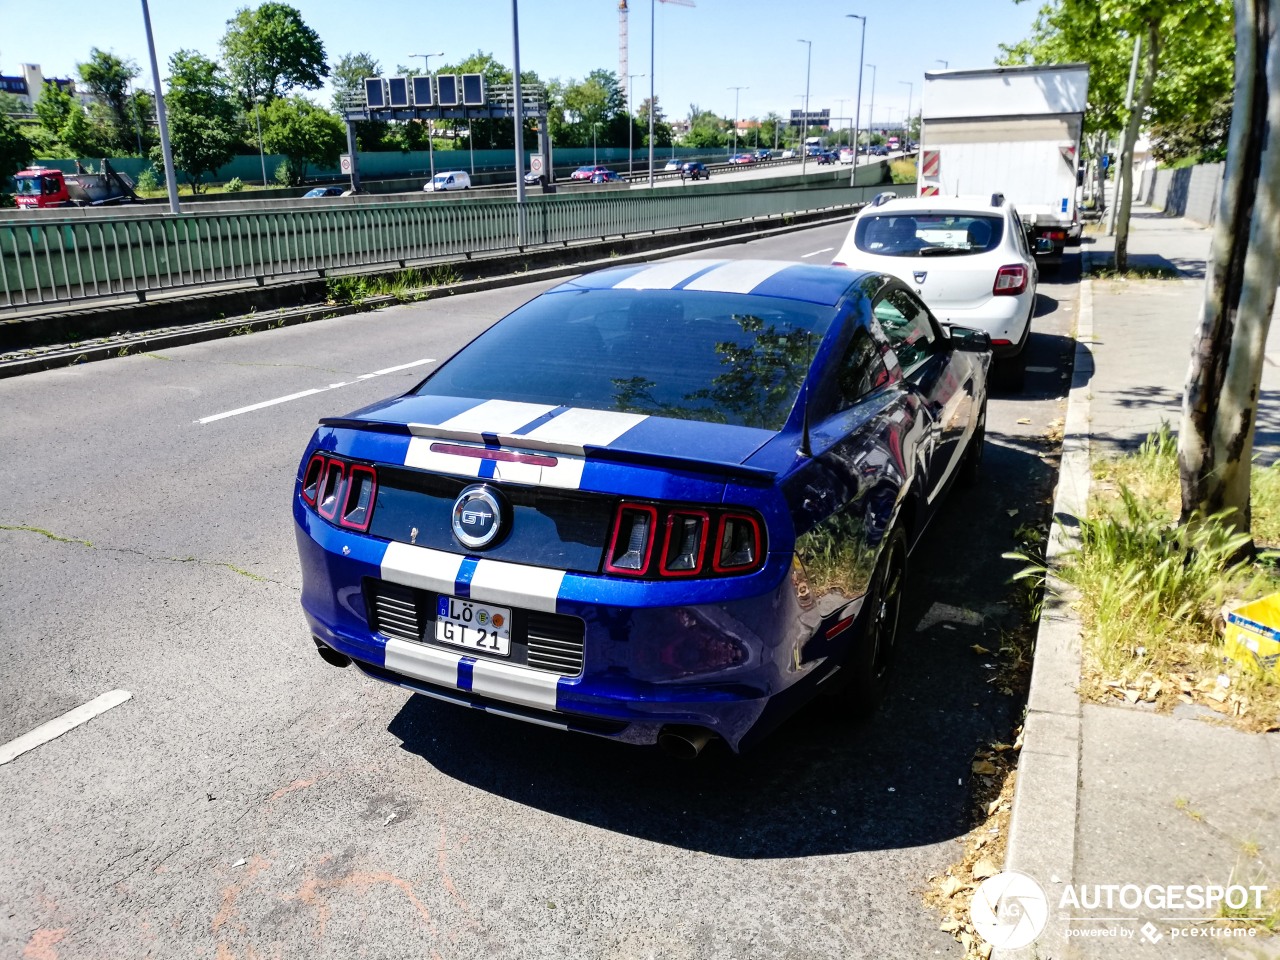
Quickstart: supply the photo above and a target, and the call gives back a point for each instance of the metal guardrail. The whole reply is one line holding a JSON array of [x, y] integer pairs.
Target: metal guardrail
[[65, 260]]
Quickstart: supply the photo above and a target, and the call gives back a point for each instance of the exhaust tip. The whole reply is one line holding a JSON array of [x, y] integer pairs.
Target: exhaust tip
[[330, 655], [683, 743]]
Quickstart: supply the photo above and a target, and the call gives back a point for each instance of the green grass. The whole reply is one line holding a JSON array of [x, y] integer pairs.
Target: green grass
[[903, 171], [405, 286], [1105, 270], [1152, 591]]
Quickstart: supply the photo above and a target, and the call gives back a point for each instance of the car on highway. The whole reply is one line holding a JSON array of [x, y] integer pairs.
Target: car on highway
[[672, 166], [449, 180], [846, 155], [661, 503], [532, 179], [763, 154], [788, 154], [968, 258], [825, 157], [742, 158], [317, 192], [605, 176], [587, 172], [694, 170]]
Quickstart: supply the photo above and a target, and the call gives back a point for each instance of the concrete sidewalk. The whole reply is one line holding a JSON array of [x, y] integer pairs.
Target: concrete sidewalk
[[1111, 795]]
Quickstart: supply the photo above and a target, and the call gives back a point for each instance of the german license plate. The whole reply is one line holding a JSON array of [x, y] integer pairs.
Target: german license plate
[[476, 626]]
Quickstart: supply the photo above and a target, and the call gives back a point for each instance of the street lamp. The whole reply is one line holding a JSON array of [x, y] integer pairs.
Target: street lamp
[[737, 91], [911, 89], [946, 64], [871, 106], [516, 112], [857, 109], [594, 124], [170, 176], [257, 119], [426, 68], [804, 153], [631, 124]]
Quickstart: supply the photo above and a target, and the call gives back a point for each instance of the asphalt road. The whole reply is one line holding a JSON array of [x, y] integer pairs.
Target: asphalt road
[[250, 801]]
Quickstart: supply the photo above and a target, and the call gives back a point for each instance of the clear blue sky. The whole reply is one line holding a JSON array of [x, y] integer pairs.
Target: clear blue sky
[[701, 51]]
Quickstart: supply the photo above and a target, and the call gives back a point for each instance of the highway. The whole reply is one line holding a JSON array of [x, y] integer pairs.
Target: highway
[[251, 801]]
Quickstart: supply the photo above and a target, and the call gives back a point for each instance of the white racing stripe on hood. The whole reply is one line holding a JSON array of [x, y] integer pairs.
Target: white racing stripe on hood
[[578, 428], [738, 276], [494, 416], [663, 276], [421, 567]]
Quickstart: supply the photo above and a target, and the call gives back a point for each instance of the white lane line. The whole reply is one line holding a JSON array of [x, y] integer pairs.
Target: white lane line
[[60, 725], [306, 393], [805, 256]]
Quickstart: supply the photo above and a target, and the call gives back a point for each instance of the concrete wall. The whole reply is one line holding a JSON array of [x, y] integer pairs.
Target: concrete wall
[[1190, 192]]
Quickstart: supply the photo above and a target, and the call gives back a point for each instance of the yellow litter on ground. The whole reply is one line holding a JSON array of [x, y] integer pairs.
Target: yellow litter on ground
[[1253, 634]]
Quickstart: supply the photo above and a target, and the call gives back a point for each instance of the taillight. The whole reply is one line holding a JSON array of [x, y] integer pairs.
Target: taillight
[[331, 485], [739, 543], [656, 541], [1054, 235], [357, 510], [837, 263], [685, 543], [632, 543], [311, 479], [1010, 280], [342, 493]]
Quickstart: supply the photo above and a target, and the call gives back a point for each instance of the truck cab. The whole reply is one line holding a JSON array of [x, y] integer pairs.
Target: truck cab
[[40, 187]]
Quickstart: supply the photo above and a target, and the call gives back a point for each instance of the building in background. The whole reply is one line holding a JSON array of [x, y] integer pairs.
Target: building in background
[[26, 86]]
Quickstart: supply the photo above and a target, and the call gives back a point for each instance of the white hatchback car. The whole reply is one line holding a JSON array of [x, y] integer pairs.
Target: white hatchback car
[[968, 258], [449, 180]]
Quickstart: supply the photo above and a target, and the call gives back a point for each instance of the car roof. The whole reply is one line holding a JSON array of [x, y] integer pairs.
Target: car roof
[[785, 279], [971, 203]]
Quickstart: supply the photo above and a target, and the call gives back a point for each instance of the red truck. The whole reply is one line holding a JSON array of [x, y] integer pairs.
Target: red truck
[[44, 187]]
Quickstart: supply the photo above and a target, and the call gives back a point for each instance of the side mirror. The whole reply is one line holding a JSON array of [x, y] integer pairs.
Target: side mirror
[[970, 340]]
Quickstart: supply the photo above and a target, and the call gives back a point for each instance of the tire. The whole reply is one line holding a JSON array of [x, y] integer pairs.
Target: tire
[[875, 648], [972, 465]]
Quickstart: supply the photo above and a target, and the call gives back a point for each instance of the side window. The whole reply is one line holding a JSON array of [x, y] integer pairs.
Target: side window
[[1019, 233], [861, 370], [907, 326]]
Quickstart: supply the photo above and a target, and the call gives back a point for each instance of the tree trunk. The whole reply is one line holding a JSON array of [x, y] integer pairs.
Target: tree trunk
[[1219, 407], [1130, 139]]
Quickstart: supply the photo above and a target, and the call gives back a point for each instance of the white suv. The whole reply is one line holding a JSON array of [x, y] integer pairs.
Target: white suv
[[968, 258]]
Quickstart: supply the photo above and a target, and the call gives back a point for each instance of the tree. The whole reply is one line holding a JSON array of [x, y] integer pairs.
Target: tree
[[82, 138], [304, 133], [15, 149], [11, 103], [1220, 404], [271, 51], [204, 121], [661, 129], [348, 76], [108, 79], [53, 107], [1186, 67], [706, 130], [596, 103]]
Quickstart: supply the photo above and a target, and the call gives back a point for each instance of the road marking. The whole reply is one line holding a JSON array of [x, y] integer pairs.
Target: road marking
[[1042, 369], [804, 256], [307, 393], [60, 725]]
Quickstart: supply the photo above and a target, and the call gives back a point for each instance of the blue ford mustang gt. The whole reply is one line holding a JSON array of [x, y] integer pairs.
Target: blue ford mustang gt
[[659, 503]]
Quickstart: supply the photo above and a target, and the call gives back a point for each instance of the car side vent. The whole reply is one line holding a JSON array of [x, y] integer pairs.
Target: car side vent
[[555, 643], [396, 611]]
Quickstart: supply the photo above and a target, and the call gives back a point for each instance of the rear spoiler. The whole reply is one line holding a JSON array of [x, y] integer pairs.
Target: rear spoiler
[[735, 471]]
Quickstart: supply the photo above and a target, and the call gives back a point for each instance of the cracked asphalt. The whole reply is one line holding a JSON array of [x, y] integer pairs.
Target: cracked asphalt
[[250, 801]]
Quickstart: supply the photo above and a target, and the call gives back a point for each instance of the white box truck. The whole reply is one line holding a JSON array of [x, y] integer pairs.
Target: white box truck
[[1008, 130]]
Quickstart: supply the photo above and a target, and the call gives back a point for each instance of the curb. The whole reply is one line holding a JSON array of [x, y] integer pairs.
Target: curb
[[123, 344], [1042, 829]]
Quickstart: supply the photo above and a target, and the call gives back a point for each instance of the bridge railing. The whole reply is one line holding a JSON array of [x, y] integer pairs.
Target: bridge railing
[[59, 260]]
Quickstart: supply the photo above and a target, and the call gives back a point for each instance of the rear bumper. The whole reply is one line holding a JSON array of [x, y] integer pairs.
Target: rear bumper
[[1002, 318], [731, 666]]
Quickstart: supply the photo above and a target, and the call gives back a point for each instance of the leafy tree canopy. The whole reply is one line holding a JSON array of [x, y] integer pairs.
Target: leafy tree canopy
[[108, 78], [303, 133], [204, 119], [271, 51]]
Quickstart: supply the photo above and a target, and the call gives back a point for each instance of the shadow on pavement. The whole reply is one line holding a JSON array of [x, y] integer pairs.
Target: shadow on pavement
[[814, 787]]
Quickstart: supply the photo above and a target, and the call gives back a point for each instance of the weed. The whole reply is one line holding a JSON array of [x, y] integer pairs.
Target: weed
[[902, 171], [46, 533], [1030, 579], [241, 331], [122, 352], [1136, 271], [443, 275]]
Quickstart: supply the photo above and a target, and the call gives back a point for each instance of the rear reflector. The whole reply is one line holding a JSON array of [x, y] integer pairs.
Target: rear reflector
[[343, 493], [1010, 280]]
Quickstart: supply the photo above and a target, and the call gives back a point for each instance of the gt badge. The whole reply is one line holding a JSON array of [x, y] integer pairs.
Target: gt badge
[[477, 517]]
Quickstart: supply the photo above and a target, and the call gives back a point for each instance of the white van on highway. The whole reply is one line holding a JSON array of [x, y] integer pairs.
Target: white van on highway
[[449, 180]]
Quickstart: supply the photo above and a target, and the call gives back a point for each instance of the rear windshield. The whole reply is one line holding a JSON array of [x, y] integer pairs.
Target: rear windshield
[[928, 234], [691, 355]]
